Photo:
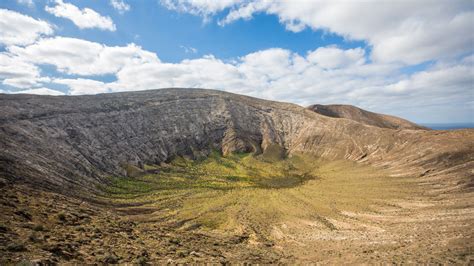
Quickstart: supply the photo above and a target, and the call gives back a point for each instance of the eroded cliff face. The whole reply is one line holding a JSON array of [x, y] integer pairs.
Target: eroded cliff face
[[74, 142]]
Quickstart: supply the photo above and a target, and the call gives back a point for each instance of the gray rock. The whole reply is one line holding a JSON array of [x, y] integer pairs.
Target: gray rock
[[68, 143]]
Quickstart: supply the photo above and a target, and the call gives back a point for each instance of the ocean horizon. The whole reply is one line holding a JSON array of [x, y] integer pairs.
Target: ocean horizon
[[447, 126]]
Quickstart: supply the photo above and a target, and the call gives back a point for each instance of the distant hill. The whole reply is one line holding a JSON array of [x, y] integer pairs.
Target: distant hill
[[363, 116]]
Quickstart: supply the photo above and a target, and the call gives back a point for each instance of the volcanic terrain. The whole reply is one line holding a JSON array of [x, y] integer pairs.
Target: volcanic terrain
[[192, 175]]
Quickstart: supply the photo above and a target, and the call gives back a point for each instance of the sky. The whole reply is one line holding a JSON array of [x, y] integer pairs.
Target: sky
[[413, 59]]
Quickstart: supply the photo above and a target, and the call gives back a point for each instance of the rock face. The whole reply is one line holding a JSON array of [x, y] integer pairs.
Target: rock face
[[363, 116], [68, 142]]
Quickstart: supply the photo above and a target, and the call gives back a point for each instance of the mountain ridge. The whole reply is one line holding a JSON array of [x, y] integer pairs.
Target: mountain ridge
[[76, 141], [187, 175], [364, 116]]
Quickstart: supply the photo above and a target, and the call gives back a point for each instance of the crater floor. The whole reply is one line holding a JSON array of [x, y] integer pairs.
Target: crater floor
[[241, 207]]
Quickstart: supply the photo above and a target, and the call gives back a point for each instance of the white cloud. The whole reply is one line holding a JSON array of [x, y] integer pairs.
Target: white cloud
[[83, 18], [325, 75], [279, 74], [273, 73], [204, 8], [189, 49], [399, 31], [18, 73], [332, 57], [83, 86], [120, 5], [76, 56], [41, 91], [28, 3], [442, 93], [244, 11], [19, 29]]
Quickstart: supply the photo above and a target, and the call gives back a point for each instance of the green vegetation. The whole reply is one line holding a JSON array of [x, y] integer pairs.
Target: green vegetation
[[247, 192], [62, 216], [38, 228], [3, 228], [16, 247]]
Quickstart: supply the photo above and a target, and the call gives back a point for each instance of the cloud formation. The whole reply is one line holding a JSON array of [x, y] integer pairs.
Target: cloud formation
[[324, 75], [120, 5], [42, 91], [203, 8], [410, 32], [19, 29], [83, 18], [81, 57], [372, 77], [17, 73], [28, 3], [83, 86]]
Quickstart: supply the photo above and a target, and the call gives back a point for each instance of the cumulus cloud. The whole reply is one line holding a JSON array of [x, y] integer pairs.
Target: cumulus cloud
[[28, 3], [275, 73], [280, 74], [19, 29], [204, 8], [410, 32], [371, 78], [17, 73], [441, 93], [77, 56], [83, 86], [83, 18], [325, 75], [120, 5], [332, 57], [189, 49], [41, 91]]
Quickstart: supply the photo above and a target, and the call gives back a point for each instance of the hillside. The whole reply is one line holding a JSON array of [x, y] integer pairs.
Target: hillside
[[68, 141], [192, 175], [363, 116]]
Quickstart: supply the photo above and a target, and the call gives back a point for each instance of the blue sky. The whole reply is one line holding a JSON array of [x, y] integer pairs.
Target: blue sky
[[165, 32], [413, 60]]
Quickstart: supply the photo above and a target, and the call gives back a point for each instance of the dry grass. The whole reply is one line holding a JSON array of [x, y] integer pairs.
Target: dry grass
[[241, 208], [246, 193]]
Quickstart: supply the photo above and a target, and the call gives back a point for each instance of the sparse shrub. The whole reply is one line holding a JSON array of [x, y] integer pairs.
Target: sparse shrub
[[111, 259], [174, 241], [62, 216], [38, 228], [142, 260], [25, 263], [3, 228], [24, 213], [16, 247], [33, 237], [181, 253]]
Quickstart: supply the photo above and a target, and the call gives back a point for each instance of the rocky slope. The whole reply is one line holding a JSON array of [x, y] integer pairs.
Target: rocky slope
[[347, 191], [363, 116], [65, 143]]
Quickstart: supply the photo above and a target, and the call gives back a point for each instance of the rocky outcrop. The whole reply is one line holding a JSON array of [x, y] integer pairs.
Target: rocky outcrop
[[69, 142], [363, 116]]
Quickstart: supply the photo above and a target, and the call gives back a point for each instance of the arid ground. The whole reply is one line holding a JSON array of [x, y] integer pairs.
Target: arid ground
[[181, 175], [243, 208]]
